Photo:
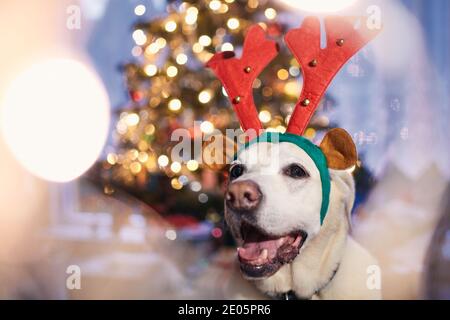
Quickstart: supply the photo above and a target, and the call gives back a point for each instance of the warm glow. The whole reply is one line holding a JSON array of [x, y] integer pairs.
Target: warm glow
[[150, 70], [204, 40], [152, 48], [175, 104], [163, 160], [135, 167], [207, 127], [190, 19], [253, 4], [112, 158], [204, 96], [223, 8], [192, 165], [197, 47], [143, 157], [233, 23], [227, 47], [175, 167], [292, 88], [319, 6], [132, 119], [170, 26], [161, 42], [176, 184], [181, 58], [55, 119], [139, 10], [192, 11], [215, 5], [172, 71], [270, 13], [265, 116], [139, 37], [310, 133], [282, 74], [150, 129]]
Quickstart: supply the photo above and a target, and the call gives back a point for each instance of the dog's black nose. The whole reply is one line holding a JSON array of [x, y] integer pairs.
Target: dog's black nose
[[243, 195]]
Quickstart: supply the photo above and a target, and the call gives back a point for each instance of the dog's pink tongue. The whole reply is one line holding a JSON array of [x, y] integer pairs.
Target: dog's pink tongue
[[258, 252]]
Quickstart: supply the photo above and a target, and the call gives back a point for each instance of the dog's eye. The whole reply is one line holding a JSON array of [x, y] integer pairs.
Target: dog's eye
[[295, 171], [236, 171]]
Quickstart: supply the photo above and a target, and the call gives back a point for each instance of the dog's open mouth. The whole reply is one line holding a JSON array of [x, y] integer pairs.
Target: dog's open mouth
[[261, 255]]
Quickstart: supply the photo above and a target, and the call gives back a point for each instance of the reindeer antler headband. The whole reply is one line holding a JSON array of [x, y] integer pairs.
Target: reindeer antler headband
[[319, 66]]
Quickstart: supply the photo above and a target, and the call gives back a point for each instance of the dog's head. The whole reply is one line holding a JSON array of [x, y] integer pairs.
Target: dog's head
[[274, 204], [274, 199]]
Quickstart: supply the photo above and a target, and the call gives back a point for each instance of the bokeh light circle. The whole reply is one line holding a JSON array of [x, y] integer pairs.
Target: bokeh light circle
[[55, 119]]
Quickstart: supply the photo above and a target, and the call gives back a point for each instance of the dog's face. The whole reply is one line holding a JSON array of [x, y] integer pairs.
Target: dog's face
[[272, 205]]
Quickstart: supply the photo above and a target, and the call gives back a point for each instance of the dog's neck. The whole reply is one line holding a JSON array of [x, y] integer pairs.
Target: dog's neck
[[319, 259]]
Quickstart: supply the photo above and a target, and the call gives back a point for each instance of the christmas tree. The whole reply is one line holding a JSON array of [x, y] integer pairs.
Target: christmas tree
[[170, 88]]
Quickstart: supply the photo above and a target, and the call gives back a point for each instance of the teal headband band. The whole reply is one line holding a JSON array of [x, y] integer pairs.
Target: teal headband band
[[312, 150]]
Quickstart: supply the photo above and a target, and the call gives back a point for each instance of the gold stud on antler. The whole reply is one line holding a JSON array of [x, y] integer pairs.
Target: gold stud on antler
[[306, 102], [340, 42], [313, 63], [236, 100], [247, 69]]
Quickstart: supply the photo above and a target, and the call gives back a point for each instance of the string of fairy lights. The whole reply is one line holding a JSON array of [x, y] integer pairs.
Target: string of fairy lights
[[170, 88]]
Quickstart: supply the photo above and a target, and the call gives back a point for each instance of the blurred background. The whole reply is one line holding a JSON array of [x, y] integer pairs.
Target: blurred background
[[91, 204]]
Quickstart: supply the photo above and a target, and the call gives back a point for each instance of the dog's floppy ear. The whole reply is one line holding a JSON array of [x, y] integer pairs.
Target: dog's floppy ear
[[339, 149]]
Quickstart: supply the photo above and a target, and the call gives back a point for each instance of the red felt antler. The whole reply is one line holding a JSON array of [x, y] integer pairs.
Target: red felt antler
[[238, 75], [319, 66]]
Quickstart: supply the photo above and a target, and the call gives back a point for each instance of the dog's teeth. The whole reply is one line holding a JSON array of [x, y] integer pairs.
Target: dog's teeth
[[281, 241], [297, 241], [264, 254]]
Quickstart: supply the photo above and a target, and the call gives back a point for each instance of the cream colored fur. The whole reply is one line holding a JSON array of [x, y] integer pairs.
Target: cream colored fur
[[330, 265]]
